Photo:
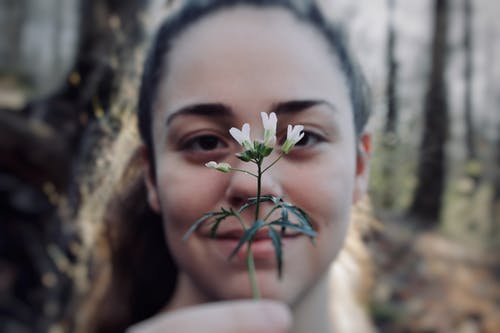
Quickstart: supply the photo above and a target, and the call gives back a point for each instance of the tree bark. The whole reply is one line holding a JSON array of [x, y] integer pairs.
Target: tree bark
[[468, 76], [428, 195], [495, 202], [32, 149], [392, 106], [390, 135], [41, 147]]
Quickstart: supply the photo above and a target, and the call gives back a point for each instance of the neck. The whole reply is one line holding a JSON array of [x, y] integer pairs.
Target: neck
[[184, 295], [312, 312]]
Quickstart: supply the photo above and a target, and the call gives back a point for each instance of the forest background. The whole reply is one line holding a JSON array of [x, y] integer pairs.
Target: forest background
[[68, 76]]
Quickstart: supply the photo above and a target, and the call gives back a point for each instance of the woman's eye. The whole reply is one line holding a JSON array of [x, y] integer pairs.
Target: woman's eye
[[204, 143], [309, 139]]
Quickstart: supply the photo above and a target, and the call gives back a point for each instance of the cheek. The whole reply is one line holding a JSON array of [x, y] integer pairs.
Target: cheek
[[325, 193], [187, 192], [324, 189]]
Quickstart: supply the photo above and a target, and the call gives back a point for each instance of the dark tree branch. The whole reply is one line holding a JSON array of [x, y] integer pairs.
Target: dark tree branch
[[44, 142], [32, 150]]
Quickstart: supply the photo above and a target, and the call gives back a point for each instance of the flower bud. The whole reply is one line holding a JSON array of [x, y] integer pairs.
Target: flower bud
[[224, 167]]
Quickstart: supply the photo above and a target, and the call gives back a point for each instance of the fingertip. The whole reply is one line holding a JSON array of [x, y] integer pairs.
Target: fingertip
[[277, 314]]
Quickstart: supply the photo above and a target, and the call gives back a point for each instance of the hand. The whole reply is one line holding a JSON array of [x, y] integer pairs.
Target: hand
[[223, 317]]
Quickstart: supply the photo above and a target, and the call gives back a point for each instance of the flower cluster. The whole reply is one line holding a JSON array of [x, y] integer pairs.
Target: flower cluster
[[253, 150]]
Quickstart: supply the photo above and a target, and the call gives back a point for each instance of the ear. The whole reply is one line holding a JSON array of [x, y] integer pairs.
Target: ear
[[150, 179], [363, 154]]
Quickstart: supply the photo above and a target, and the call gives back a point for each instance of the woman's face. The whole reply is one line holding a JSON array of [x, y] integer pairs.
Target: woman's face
[[223, 72]]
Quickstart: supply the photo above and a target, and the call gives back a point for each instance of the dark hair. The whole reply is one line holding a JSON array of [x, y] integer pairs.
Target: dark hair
[[142, 275], [156, 65], [132, 272]]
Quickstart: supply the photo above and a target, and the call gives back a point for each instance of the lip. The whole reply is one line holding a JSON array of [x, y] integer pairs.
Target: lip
[[237, 233], [262, 246]]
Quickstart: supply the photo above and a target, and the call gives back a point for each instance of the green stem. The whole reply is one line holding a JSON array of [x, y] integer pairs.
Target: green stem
[[250, 262], [259, 178], [275, 161], [238, 217], [244, 171], [270, 212], [251, 272]]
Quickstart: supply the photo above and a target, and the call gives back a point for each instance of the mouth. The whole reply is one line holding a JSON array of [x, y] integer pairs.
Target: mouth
[[262, 246], [262, 234]]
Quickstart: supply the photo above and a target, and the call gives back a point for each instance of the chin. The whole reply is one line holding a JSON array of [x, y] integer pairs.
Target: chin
[[238, 286], [270, 287]]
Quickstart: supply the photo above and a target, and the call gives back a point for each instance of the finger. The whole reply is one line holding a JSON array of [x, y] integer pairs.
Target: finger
[[223, 317]]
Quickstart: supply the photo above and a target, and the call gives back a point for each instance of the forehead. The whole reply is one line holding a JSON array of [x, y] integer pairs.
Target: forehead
[[253, 57]]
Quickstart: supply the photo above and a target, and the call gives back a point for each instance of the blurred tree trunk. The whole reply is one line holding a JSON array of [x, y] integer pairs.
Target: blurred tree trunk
[[472, 164], [390, 138], [495, 204], [392, 106], [428, 195], [41, 149], [468, 76], [13, 14], [108, 32]]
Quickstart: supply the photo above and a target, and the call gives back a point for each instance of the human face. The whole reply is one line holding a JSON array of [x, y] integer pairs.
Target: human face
[[222, 72]]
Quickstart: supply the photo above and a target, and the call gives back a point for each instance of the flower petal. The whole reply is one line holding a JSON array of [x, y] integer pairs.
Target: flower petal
[[294, 135], [269, 122], [242, 136], [237, 135], [246, 132], [265, 119]]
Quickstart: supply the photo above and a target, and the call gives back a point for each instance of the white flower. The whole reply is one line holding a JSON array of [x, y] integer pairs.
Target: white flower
[[269, 123], [224, 167], [211, 164], [294, 134], [243, 136]]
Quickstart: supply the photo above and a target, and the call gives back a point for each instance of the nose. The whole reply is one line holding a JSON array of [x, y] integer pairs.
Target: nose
[[243, 185]]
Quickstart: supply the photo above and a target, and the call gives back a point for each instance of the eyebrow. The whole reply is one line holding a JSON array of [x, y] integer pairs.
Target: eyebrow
[[204, 109], [299, 105], [222, 111]]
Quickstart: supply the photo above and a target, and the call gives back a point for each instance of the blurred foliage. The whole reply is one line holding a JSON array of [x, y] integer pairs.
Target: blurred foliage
[[393, 168]]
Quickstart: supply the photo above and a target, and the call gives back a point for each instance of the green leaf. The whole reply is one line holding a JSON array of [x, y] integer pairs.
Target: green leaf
[[244, 157], [284, 213], [275, 200], [285, 224], [253, 201], [258, 147], [250, 202], [276, 239], [302, 217], [252, 154], [267, 151], [199, 222], [213, 230], [247, 235], [263, 198]]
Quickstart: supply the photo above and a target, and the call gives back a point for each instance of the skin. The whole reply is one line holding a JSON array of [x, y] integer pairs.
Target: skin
[[223, 72], [239, 316]]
